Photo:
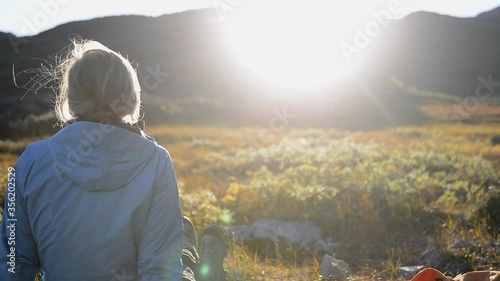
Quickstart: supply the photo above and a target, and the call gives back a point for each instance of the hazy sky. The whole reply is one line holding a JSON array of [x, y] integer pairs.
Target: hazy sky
[[27, 17]]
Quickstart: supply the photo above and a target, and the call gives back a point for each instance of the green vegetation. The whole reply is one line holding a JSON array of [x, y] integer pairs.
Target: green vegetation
[[386, 195]]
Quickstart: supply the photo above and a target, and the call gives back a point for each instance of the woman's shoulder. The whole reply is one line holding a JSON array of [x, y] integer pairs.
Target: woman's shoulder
[[32, 152], [163, 153], [36, 147]]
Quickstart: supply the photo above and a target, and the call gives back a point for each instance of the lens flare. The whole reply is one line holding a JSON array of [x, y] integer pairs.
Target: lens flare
[[288, 44]]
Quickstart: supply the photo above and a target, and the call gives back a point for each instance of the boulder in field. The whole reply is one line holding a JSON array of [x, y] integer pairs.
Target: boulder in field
[[271, 237]]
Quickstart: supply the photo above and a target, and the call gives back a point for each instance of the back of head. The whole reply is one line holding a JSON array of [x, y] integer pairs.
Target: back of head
[[97, 84]]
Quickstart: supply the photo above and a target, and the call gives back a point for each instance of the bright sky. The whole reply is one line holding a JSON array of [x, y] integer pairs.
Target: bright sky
[[28, 17]]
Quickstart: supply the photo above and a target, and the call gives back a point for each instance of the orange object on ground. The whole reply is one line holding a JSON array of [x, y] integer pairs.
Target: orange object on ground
[[431, 274]]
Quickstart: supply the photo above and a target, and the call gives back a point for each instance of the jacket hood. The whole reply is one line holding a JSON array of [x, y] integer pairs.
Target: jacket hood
[[100, 157]]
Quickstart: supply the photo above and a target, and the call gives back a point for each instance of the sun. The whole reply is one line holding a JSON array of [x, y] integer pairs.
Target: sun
[[287, 44]]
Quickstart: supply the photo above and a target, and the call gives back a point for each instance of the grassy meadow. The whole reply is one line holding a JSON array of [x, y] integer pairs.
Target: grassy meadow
[[386, 195]]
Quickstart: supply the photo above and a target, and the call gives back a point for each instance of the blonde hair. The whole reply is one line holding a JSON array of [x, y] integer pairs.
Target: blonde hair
[[96, 84]]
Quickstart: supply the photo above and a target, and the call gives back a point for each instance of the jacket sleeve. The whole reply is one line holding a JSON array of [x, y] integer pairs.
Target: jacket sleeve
[[18, 249], [160, 245]]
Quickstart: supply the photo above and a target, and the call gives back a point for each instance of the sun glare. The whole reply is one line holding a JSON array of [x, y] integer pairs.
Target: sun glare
[[288, 44]]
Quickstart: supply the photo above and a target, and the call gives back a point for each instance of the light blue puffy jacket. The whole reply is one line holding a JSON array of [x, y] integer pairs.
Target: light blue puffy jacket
[[94, 202]]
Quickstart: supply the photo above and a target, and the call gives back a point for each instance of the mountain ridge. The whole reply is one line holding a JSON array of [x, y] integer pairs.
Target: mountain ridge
[[425, 50], [491, 14]]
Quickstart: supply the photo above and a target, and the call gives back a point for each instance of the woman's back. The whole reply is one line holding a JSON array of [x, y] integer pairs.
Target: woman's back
[[96, 201]]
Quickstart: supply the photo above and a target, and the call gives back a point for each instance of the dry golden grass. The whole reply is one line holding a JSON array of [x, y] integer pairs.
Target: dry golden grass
[[463, 112], [191, 146]]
